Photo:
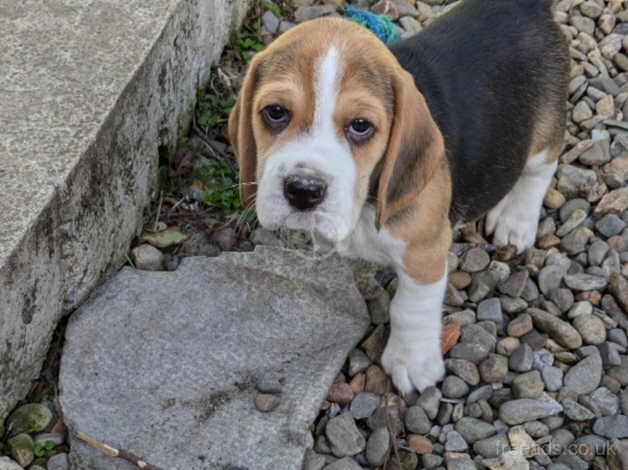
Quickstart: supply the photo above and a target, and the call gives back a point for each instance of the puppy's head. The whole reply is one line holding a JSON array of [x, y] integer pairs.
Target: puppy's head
[[325, 119]]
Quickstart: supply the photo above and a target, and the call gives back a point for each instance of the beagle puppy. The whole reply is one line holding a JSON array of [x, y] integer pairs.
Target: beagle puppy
[[382, 150]]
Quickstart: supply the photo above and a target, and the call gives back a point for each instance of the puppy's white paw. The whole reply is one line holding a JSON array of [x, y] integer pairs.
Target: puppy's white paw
[[513, 225], [413, 365]]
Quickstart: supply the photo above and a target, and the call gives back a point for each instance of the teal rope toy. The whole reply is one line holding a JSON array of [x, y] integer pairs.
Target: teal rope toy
[[380, 25]]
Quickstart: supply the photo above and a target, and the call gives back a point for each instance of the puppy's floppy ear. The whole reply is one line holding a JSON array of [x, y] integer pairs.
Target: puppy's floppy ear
[[415, 147], [241, 134]]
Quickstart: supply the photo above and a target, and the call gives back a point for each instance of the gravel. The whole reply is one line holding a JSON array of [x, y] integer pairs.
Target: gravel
[[541, 360]]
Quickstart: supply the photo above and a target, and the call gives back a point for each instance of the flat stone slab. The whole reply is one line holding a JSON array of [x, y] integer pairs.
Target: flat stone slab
[[90, 94], [165, 364]]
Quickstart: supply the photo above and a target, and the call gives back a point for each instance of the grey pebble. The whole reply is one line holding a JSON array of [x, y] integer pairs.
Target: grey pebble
[[610, 225], [576, 411], [585, 376], [602, 402], [429, 400], [377, 446], [492, 447], [346, 463], [270, 22], [525, 409], [58, 462], [267, 384], [455, 442], [549, 278], [417, 420], [491, 310], [454, 387], [611, 426], [553, 378], [431, 461], [473, 429], [585, 282], [522, 358], [473, 352], [364, 404], [343, 435]]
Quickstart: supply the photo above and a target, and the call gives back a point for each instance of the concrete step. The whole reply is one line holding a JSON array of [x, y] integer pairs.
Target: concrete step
[[90, 93]]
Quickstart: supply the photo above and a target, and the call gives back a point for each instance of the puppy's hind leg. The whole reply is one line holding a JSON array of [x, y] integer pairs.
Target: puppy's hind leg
[[516, 218]]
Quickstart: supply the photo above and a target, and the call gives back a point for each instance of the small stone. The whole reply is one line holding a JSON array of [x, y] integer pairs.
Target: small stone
[[377, 381], [364, 404], [409, 24], [473, 352], [421, 445], [455, 442], [431, 461], [591, 328], [266, 402], [476, 334], [553, 199], [510, 460], [464, 369], [520, 325], [515, 284], [344, 437], [473, 430], [268, 384], [305, 13], [521, 441], [553, 378], [450, 335], [576, 241], [549, 278], [225, 238], [575, 219], [610, 225], [377, 446], [340, 393], [619, 289], [417, 420], [507, 346], [270, 22], [494, 368], [58, 462], [492, 447], [475, 260], [374, 345], [528, 385], [597, 252], [576, 412], [378, 308], [581, 112], [454, 387], [525, 409], [148, 258], [585, 282], [313, 460], [614, 202], [460, 279], [429, 400], [602, 402], [7, 464], [29, 418], [345, 463], [491, 310], [613, 427], [521, 359], [386, 416], [358, 361], [585, 376], [561, 331], [22, 448]]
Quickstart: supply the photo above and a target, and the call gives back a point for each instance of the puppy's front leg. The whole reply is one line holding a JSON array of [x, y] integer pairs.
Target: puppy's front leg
[[413, 354]]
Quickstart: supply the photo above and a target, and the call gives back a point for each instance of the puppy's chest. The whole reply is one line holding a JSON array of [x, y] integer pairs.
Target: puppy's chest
[[366, 242]]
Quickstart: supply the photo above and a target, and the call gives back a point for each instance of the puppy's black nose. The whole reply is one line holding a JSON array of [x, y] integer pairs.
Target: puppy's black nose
[[304, 192]]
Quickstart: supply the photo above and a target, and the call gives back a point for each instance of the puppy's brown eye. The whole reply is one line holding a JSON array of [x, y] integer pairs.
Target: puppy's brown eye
[[359, 131], [276, 117]]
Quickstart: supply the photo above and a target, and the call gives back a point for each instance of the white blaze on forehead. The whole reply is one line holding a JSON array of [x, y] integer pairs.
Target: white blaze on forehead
[[326, 81]]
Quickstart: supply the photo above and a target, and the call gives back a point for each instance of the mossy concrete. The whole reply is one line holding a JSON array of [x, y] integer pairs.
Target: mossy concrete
[[90, 94]]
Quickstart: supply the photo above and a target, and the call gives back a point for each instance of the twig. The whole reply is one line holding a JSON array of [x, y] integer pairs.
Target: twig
[[113, 452], [161, 200], [206, 141], [392, 436]]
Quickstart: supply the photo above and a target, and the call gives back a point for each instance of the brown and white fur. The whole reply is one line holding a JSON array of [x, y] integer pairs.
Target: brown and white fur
[[388, 198]]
